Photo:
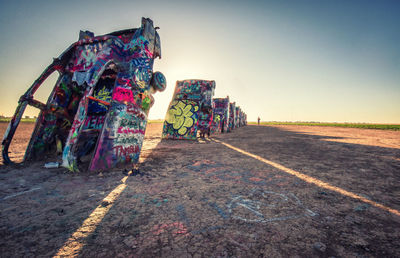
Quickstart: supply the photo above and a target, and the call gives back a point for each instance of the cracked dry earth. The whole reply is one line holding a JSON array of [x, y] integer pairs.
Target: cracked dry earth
[[204, 199]]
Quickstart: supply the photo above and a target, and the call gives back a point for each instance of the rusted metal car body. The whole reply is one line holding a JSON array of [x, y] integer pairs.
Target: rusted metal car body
[[96, 114], [190, 110]]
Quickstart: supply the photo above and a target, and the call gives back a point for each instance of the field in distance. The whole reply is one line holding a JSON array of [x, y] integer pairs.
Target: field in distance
[[394, 127], [32, 120]]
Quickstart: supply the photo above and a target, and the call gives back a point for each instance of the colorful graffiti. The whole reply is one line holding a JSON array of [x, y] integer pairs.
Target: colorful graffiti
[[190, 110], [232, 116], [193, 110], [182, 116], [99, 105], [205, 121], [236, 117], [221, 114], [122, 141], [242, 118]]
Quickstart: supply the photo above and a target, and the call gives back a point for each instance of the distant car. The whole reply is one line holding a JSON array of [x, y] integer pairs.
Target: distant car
[[232, 116], [221, 114], [96, 115]]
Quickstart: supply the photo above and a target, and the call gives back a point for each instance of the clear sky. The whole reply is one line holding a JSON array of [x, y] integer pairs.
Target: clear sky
[[281, 60]]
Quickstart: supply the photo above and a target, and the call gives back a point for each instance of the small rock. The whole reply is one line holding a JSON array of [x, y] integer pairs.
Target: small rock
[[22, 183], [329, 218], [130, 242], [59, 211], [361, 242], [124, 222], [136, 172], [52, 165], [319, 246], [105, 203], [362, 207]]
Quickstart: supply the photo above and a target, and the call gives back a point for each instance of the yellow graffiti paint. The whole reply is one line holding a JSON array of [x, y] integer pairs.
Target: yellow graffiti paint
[[141, 84], [103, 94], [180, 116]]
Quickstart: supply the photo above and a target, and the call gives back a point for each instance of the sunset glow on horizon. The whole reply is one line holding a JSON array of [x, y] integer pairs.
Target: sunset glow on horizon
[[327, 61]]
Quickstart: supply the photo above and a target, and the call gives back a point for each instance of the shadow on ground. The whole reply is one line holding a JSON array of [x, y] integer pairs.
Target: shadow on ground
[[203, 199]]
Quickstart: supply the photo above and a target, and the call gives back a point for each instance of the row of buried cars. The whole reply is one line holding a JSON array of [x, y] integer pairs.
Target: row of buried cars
[[95, 117], [193, 111]]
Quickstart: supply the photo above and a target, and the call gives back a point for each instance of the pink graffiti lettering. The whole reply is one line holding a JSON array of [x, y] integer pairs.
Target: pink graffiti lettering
[[122, 95], [129, 131], [124, 82], [125, 151], [177, 228]]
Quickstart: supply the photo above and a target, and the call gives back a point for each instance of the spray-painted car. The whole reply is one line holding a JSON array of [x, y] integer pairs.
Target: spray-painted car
[[242, 118], [205, 121], [232, 116], [220, 114], [97, 111], [237, 117], [190, 110]]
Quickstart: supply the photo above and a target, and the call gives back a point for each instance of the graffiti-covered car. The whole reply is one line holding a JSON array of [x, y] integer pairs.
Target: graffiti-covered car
[[220, 114], [97, 111], [190, 110], [232, 116], [237, 117]]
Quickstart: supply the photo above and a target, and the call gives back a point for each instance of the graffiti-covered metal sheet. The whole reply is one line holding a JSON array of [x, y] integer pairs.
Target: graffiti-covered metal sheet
[[98, 108], [190, 109]]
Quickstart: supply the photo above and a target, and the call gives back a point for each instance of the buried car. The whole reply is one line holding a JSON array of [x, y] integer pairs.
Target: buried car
[[96, 114], [190, 110], [220, 114]]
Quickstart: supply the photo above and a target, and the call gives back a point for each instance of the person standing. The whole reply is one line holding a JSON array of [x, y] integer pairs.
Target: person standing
[[258, 120]]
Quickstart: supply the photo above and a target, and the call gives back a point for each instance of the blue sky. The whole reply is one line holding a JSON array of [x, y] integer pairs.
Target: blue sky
[[280, 60]]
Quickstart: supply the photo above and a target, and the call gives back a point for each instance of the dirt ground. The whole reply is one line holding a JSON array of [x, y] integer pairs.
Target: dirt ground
[[204, 199]]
